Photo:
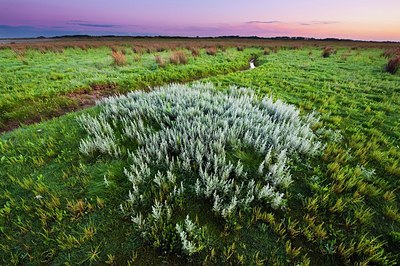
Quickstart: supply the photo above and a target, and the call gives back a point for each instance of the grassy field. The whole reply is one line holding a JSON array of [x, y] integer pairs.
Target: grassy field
[[60, 205], [37, 85]]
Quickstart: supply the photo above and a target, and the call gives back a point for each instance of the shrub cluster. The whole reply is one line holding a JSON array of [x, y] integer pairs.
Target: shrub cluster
[[184, 144]]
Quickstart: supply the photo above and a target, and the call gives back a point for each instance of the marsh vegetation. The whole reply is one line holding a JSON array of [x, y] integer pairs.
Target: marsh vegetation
[[294, 162]]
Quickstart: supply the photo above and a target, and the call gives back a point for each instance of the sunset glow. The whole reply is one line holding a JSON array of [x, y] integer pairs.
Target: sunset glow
[[358, 19]]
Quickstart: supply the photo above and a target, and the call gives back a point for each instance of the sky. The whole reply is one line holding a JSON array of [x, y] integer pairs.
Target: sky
[[377, 20]]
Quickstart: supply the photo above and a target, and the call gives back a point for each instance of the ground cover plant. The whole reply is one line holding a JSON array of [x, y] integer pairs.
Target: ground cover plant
[[69, 185], [182, 143]]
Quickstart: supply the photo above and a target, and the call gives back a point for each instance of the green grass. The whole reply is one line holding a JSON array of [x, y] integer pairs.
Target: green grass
[[35, 86], [343, 208]]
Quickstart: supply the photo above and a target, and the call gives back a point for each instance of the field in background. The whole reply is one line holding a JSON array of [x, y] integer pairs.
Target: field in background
[[44, 79], [37, 84], [61, 206]]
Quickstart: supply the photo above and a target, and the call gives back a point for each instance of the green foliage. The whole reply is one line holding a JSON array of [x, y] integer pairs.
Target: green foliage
[[60, 207], [180, 141], [42, 87]]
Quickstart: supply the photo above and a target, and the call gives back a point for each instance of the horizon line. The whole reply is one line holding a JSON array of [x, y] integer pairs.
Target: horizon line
[[293, 38]]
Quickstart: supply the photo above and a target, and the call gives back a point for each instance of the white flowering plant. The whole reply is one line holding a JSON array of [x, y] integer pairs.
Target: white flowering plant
[[183, 143]]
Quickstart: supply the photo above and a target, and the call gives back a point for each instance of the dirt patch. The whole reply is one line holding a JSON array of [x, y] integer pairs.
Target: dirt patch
[[88, 97], [11, 125], [82, 98]]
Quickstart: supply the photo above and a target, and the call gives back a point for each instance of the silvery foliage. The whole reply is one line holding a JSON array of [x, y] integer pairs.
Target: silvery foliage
[[190, 235], [189, 131]]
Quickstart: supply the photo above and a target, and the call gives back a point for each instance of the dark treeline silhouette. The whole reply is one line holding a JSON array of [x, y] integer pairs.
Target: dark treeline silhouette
[[296, 38]]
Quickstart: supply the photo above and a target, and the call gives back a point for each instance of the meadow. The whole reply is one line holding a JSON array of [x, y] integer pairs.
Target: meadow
[[295, 162]]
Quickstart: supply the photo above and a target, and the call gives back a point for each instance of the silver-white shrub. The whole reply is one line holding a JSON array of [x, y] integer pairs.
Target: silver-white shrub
[[181, 141], [191, 236]]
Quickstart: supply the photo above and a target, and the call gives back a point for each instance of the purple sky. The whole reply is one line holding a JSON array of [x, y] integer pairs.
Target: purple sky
[[355, 19]]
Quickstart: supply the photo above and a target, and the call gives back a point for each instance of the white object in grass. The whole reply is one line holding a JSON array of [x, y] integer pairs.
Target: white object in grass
[[252, 66]]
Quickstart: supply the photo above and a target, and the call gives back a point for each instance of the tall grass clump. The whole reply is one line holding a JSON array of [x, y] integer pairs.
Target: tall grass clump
[[137, 57], [327, 52], [119, 58], [137, 50], [276, 48], [228, 152], [195, 51], [160, 61], [211, 50], [19, 52], [389, 53], [178, 58], [151, 49], [393, 65]]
